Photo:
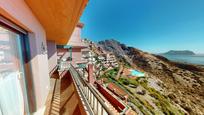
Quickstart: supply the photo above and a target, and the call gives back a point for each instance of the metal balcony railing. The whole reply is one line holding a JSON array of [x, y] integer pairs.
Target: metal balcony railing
[[93, 103]]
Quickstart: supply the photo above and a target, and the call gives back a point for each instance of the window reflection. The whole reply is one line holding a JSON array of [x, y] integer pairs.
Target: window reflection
[[9, 52]]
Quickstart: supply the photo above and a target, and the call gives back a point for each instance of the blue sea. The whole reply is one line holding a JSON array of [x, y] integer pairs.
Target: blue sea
[[191, 59]]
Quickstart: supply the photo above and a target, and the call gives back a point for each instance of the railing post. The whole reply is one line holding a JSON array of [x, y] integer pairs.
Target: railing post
[[86, 92], [94, 103], [97, 106], [88, 95], [101, 111], [91, 100]]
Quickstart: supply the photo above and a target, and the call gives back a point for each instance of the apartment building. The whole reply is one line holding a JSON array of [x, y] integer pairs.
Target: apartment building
[[73, 50], [108, 59], [29, 33], [36, 36]]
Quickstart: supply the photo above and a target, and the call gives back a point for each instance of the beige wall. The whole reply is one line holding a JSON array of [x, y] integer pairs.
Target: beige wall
[[52, 55], [76, 54], [77, 45], [19, 11], [76, 36]]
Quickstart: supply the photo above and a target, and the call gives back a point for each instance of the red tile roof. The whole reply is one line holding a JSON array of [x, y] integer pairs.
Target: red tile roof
[[116, 89]]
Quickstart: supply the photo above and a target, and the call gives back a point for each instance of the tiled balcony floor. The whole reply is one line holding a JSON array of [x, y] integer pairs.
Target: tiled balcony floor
[[69, 102], [65, 99]]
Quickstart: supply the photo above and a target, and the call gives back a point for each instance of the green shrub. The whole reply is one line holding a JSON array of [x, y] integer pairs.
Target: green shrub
[[126, 82], [139, 106]]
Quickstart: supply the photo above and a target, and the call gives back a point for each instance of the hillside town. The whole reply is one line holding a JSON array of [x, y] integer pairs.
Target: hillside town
[[123, 87], [92, 62], [126, 83], [48, 68]]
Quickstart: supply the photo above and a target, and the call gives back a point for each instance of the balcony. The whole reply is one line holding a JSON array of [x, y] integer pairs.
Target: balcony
[[71, 94]]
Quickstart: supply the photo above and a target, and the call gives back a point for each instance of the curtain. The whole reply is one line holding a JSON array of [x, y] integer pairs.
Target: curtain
[[11, 96]]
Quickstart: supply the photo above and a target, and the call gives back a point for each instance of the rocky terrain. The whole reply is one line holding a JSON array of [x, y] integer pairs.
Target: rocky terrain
[[182, 83]]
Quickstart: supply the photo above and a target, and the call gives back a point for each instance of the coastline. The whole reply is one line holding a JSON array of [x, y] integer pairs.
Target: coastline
[[186, 59]]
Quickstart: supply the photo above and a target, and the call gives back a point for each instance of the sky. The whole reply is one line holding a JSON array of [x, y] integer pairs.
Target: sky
[[155, 26]]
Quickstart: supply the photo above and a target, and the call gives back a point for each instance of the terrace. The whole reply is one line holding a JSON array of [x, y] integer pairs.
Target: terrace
[[72, 94], [117, 91]]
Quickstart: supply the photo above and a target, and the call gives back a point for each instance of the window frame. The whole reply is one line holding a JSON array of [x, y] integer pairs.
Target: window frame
[[25, 46]]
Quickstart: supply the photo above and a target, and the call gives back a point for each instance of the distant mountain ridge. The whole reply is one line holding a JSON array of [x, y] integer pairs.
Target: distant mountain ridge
[[179, 52]]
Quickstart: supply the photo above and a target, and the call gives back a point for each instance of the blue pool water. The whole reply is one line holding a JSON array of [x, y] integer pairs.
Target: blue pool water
[[137, 73]]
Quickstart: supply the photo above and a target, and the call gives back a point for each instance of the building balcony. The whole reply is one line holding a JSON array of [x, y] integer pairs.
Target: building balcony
[[71, 94]]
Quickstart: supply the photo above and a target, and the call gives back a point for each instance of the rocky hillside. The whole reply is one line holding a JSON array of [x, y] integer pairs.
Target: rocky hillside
[[182, 83]]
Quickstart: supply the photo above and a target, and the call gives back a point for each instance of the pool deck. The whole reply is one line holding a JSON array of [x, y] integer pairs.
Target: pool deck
[[128, 73]]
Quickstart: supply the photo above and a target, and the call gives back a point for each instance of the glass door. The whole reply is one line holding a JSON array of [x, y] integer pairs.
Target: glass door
[[13, 99]]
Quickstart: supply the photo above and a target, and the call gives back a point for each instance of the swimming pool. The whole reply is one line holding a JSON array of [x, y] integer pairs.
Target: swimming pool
[[137, 73]]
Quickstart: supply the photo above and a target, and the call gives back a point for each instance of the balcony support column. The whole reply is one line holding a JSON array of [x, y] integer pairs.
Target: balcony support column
[[91, 79]]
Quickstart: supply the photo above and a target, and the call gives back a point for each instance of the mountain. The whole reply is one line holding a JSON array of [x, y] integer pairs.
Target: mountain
[[182, 83], [111, 45], [181, 52]]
